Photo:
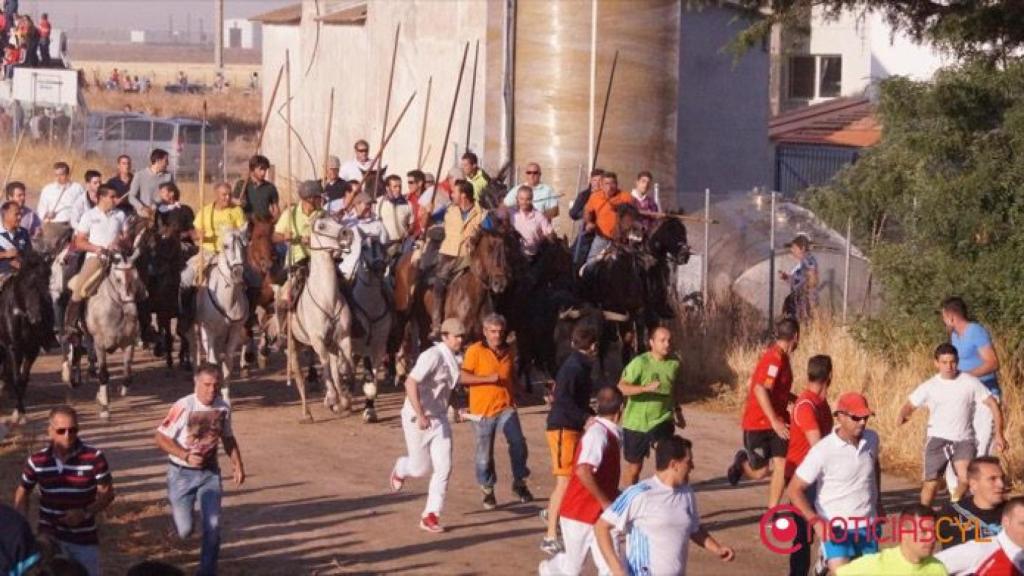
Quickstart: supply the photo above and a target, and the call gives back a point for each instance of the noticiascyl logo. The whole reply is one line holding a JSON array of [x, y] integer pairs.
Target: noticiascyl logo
[[777, 528]]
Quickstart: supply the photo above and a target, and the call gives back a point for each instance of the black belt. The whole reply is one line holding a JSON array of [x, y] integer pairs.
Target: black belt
[[205, 468]]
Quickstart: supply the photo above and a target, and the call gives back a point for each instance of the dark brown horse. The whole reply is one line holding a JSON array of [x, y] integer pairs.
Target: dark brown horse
[[260, 264], [167, 257]]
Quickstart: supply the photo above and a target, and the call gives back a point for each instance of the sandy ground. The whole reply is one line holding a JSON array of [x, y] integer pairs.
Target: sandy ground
[[316, 499]]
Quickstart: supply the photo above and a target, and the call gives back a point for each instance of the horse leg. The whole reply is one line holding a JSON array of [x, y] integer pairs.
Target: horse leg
[[13, 362], [243, 343], [102, 397], [332, 393], [168, 339], [292, 358], [128, 354]]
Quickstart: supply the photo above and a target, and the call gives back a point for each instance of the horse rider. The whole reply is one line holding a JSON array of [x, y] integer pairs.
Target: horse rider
[[86, 201], [363, 217], [256, 195], [342, 207], [531, 224], [396, 215], [544, 198], [174, 217], [27, 217], [474, 174], [55, 204], [355, 169], [601, 214], [143, 194], [214, 220], [14, 240], [334, 185], [462, 219], [645, 199], [98, 231], [581, 247], [293, 229]]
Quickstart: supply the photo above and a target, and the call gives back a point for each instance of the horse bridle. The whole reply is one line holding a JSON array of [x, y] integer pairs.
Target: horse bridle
[[213, 297]]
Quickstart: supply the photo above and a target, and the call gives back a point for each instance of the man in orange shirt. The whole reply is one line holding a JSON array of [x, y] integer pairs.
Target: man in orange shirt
[[601, 213], [766, 416], [492, 408]]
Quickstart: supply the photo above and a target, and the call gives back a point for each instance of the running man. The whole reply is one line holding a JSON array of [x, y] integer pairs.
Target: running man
[[766, 416], [952, 397], [189, 435], [913, 556], [592, 489], [650, 383], [844, 467], [428, 434], [999, 556], [658, 518]]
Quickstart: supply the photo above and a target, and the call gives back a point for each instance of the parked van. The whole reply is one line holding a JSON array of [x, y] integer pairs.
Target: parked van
[[138, 135]]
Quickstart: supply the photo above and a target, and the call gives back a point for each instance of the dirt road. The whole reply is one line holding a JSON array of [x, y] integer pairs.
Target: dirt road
[[316, 499]]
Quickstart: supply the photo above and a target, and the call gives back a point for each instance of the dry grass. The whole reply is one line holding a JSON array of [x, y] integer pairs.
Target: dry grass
[[718, 368], [237, 110], [161, 73]]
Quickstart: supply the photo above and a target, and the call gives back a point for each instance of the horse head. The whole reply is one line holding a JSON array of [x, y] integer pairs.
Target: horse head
[[489, 260], [373, 256], [123, 275], [327, 233], [260, 248], [667, 241], [232, 255]]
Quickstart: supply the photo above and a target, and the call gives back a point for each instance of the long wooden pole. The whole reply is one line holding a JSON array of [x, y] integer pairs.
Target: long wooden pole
[[270, 106], [327, 136], [448, 131], [291, 197], [200, 279], [14, 157], [387, 101], [387, 137], [604, 113], [423, 129], [472, 94]]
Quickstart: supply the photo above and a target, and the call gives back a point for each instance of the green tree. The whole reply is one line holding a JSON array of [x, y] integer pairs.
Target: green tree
[[940, 201]]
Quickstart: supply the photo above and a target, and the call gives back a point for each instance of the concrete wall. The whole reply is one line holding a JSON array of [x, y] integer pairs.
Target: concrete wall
[[723, 107], [355, 60]]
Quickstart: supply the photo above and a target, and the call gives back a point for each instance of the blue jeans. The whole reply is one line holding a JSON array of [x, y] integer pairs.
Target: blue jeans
[[597, 246], [184, 486], [486, 429], [88, 555]]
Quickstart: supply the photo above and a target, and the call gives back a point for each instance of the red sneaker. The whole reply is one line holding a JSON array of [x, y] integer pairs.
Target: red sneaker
[[396, 481], [431, 524]]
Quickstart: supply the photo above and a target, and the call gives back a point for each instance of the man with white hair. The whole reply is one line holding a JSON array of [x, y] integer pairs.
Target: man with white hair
[[334, 185], [544, 198]]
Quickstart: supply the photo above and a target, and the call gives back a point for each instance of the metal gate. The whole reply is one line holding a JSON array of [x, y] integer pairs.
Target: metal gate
[[799, 166]]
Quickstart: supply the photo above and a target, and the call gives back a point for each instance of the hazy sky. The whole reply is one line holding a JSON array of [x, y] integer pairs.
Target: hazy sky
[[143, 14]]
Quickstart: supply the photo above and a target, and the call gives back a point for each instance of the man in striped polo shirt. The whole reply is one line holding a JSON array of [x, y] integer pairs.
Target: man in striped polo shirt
[[74, 485]]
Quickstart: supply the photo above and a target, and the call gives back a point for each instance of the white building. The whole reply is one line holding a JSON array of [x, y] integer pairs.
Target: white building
[[681, 107], [243, 33], [845, 56]]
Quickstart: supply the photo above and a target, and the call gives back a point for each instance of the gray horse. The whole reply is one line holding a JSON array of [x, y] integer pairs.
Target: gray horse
[[112, 320], [222, 309], [373, 313], [321, 319]]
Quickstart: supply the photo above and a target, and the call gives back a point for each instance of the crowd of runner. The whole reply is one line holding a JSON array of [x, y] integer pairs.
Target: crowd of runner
[[823, 459]]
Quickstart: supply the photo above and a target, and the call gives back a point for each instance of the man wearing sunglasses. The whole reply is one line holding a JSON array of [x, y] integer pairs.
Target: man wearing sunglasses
[[353, 169], [544, 198], [74, 486], [844, 466]]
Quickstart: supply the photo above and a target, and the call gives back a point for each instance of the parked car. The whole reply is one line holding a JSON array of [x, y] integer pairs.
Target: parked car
[[138, 135]]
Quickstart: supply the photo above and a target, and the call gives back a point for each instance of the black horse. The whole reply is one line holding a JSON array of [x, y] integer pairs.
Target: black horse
[[630, 283], [26, 324], [166, 259]]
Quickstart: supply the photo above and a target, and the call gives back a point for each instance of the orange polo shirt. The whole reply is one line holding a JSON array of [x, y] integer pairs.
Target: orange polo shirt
[[604, 207], [489, 400]]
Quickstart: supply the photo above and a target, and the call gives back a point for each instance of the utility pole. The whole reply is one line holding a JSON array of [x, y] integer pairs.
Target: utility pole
[[218, 49]]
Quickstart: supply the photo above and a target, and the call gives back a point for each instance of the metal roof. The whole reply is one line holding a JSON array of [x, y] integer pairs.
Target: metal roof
[[291, 14], [842, 122]]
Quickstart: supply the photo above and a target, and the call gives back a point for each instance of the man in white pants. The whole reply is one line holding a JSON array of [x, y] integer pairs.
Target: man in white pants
[[592, 489], [428, 434]]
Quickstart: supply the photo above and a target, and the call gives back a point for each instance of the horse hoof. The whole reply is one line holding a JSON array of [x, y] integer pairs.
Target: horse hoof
[[225, 393], [345, 402], [244, 373], [104, 414], [124, 390], [261, 362], [307, 419], [65, 375], [369, 416]]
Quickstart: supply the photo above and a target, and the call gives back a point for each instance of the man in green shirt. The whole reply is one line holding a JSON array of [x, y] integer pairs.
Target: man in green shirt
[[913, 556], [293, 229], [474, 174], [649, 383]]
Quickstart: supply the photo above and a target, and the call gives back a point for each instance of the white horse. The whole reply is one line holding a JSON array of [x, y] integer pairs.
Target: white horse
[[321, 319], [373, 313], [112, 321], [222, 309]]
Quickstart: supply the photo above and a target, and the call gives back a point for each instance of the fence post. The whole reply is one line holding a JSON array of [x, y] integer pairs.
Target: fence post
[[846, 273], [224, 152], [707, 256], [771, 266]]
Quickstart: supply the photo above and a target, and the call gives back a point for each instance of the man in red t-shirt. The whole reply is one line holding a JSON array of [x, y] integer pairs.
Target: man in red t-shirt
[[812, 420], [766, 416], [593, 487]]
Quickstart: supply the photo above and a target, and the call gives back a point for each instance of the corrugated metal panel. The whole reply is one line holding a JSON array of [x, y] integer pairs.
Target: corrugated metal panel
[[799, 166]]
